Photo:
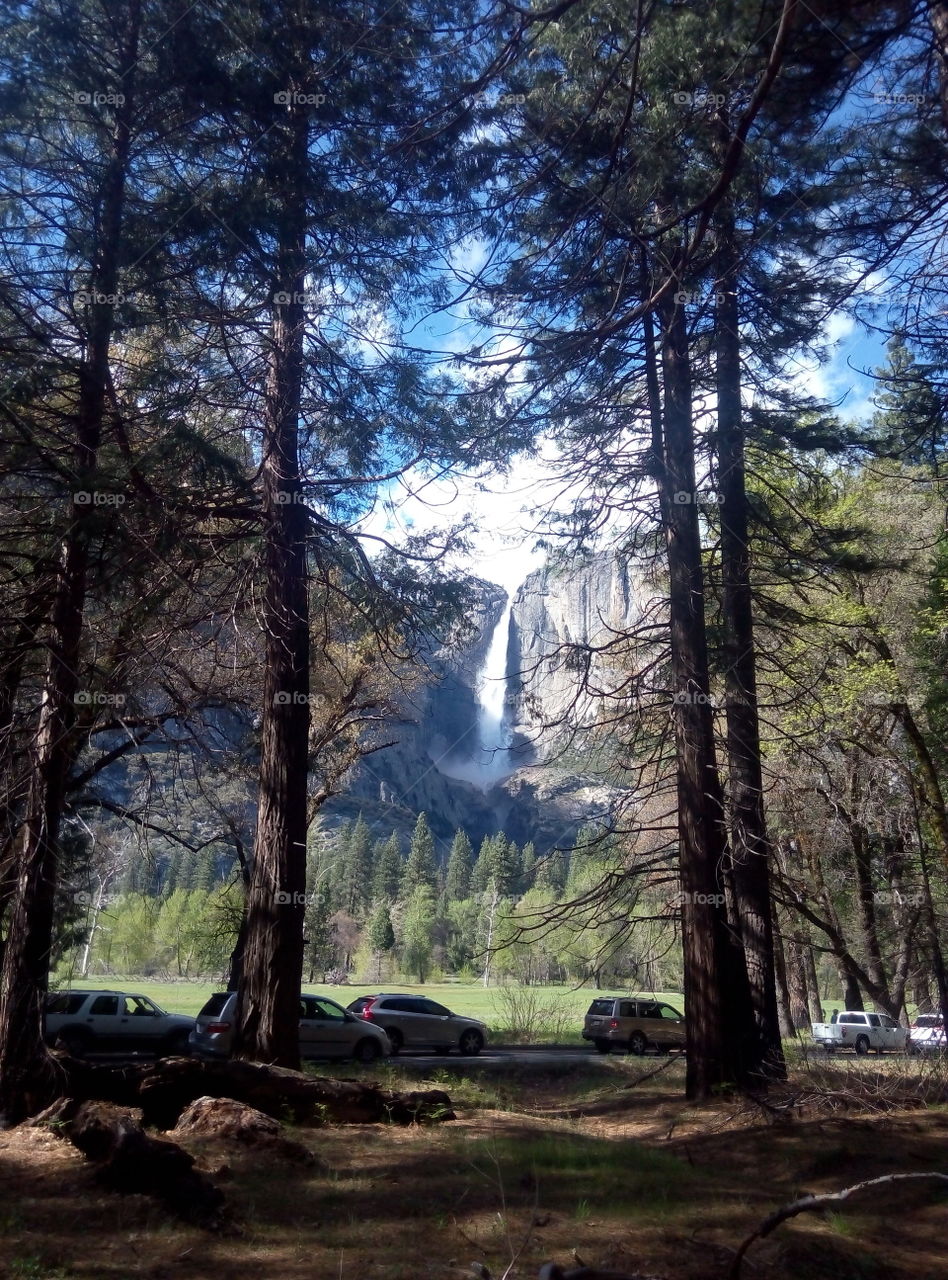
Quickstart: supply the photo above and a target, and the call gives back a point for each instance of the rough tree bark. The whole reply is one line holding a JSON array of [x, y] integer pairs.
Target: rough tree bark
[[715, 983], [272, 970], [750, 852], [28, 1075]]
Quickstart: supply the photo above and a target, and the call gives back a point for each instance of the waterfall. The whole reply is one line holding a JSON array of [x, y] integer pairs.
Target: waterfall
[[488, 759], [493, 735]]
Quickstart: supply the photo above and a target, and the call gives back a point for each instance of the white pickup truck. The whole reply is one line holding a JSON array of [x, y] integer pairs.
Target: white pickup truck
[[860, 1031]]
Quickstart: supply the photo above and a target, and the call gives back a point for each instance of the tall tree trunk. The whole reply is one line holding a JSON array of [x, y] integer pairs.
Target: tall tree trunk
[[27, 1073], [713, 988], [938, 19], [796, 977], [814, 1003], [272, 970], [784, 1008], [749, 844]]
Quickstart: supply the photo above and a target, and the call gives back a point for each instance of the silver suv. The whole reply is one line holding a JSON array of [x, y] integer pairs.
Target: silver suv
[[415, 1022], [326, 1030], [84, 1022]]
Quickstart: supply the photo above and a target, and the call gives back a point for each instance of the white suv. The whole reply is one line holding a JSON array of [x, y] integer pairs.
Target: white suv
[[84, 1022]]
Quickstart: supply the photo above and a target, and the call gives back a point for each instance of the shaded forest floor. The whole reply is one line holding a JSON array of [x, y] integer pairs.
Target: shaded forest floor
[[607, 1165]]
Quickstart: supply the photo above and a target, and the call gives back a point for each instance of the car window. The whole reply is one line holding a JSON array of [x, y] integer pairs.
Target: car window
[[627, 1009], [104, 1005], [358, 1005], [213, 1006], [136, 1007], [928, 1020], [649, 1011], [887, 1021], [852, 1019], [873, 1020], [65, 1002], [327, 1011], [435, 1009], [667, 1011], [601, 1007], [401, 1006]]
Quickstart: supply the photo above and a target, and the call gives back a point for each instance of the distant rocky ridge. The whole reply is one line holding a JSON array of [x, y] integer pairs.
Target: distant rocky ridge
[[545, 798]]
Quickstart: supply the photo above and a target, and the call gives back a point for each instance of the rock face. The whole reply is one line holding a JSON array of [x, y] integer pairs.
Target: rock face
[[540, 798], [554, 685]]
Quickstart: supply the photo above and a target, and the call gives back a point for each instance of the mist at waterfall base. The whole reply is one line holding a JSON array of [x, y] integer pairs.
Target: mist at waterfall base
[[492, 760]]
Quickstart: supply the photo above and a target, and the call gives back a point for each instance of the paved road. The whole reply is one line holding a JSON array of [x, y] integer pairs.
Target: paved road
[[490, 1059]]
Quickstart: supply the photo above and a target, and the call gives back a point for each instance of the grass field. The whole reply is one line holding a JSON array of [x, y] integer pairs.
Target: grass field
[[471, 999]]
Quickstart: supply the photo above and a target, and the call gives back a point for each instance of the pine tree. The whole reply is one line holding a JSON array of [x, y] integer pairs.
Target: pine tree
[[420, 866], [388, 864], [504, 865], [483, 866], [528, 867], [355, 871], [910, 422], [457, 885]]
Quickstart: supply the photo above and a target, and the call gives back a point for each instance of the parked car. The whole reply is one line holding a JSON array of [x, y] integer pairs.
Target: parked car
[[415, 1022], [927, 1034], [84, 1022], [853, 1029], [326, 1030], [633, 1023]]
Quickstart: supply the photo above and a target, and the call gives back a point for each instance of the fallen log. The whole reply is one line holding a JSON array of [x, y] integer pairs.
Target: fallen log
[[130, 1161], [163, 1089]]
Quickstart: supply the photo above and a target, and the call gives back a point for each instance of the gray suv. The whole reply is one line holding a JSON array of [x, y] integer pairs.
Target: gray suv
[[415, 1022], [84, 1022], [326, 1030]]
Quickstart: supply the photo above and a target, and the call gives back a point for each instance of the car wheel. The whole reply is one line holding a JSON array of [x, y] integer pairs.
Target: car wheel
[[471, 1043], [603, 1046], [367, 1052], [395, 1039], [829, 1048], [176, 1046], [75, 1043], [637, 1043], [862, 1045]]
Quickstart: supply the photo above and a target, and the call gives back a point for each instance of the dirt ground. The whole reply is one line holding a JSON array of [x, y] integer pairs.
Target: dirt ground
[[616, 1171]]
